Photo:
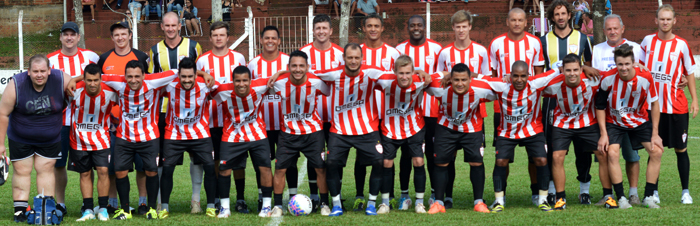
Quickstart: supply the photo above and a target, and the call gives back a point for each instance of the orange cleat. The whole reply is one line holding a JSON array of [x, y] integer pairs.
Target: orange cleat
[[481, 207], [436, 208]]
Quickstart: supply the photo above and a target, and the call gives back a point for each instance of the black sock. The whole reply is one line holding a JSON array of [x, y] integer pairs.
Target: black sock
[[210, 183], [683, 167], [313, 185], [375, 178], [360, 174], [103, 201], [391, 186], [324, 198], [152, 187], [88, 204], [267, 192], [166, 183], [387, 180], [123, 187], [607, 191], [543, 178], [561, 195], [477, 174], [535, 189], [429, 163], [583, 165], [292, 177], [278, 199], [620, 191], [649, 189], [450, 180], [499, 178], [224, 187], [333, 179], [240, 188], [405, 167], [419, 178], [440, 179], [21, 205]]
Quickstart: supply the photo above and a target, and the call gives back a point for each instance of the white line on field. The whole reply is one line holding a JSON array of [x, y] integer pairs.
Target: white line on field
[[302, 174]]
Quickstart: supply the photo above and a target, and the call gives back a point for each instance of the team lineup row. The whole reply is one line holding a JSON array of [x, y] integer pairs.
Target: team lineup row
[[323, 100]]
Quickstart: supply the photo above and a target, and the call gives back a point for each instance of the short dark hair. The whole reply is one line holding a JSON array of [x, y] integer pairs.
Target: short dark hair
[[242, 70], [92, 69], [39, 57], [555, 5], [571, 58], [187, 63], [298, 53], [408, 22], [461, 67], [270, 28], [217, 25], [135, 64], [352, 45], [624, 50], [320, 18], [373, 16]]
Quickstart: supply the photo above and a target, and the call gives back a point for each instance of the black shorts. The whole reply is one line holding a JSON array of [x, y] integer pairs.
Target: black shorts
[[312, 145], [413, 146], [125, 151], [367, 147], [138, 162], [200, 151], [234, 155], [161, 129], [673, 130], [326, 130], [216, 134], [272, 138], [496, 122], [637, 135], [20, 151], [65, 147], [85, 161], [448, 141], [534, 145], [586, 136]]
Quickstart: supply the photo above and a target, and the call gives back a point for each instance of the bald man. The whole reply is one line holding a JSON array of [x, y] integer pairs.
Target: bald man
[[164, 56]]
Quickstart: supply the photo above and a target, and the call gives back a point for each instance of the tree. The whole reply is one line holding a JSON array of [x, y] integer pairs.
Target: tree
[[344, 22], [216, 11], [598, 23]]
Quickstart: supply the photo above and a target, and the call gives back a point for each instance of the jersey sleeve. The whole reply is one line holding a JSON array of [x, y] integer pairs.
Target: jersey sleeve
[[93, 57], [688, 61], [198, 50], [201, 63], [117, 82], [644, 47], [260, 85], [441, 64], [322, 87], [159, 80], [374, 73], [434, 88], [539, 57], [492, 53], [587, 50], [545, 79], [486, 64], [485, 93], [328, 75], [241, 59]]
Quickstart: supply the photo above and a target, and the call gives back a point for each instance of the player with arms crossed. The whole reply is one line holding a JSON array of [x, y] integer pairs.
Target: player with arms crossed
[[625, 95]]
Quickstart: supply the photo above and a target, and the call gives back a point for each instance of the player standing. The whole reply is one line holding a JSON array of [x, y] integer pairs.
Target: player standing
[[669, 58], [424, 53]]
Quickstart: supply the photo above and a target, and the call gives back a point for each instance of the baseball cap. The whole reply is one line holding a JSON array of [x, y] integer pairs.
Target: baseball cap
[[119, 24], [70, 26]]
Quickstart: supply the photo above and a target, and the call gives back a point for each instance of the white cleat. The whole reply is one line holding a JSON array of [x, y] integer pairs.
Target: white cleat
[[265, 212], [87, 215], [276, 212], [420, 208], [383, 209], [195, 207], [657, 200], [225, 213], [325, 210], [686, 199], [405, 204], [650, 203], [623, 203]]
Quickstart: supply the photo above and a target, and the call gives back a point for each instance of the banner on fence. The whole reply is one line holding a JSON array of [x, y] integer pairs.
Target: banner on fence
[[5, 76]]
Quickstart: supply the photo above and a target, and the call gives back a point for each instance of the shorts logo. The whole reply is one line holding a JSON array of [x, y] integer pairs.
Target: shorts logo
[[545, 148], [323, 156], [109, 158], [481, 150], [423, 148], [685, 137], [222, 162], [379, 148]]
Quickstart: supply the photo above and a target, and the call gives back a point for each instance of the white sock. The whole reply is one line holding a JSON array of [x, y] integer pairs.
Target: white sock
[[552, 189], [584, 187], [685, 191], [543, 197], [226, 203], [500, 198], [633, 191], [385, 198], [372, 200], [336, 200], [267, 202], [197, 175]]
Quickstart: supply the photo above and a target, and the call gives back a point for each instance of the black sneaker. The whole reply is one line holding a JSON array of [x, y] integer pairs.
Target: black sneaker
[[111, 209], [448, 204], [143, 209], [259, 205], [551, 199], [104, 7], [241, 207], [217, 206], [63, 210], [118, 7], [314, 205], [21, 216], [585, 198]]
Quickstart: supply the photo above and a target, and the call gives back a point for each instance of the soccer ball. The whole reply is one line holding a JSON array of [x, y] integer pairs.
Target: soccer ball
[[300, 205]]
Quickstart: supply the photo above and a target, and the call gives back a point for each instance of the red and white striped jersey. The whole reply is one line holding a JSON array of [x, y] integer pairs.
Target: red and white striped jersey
[[221, 68], [628, 101], [462, 112], [504, 52], [383, 58], [668, 60], [272, 104], [521, 117], [242, 123], [475, 56], [299, 103], [90, 121], [354, 107], [139, 120], [73, 66], [401, 112], [188, 111], [575, 107], [424, 58], [324, 60]]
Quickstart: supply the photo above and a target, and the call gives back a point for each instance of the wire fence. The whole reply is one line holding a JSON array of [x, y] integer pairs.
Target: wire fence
[[41, 42]]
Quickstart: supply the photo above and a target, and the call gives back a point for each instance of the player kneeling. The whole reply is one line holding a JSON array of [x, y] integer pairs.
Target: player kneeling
[[89, 140]]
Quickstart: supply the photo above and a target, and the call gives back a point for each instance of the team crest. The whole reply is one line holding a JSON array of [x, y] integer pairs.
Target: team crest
[[473, 63], [386, 64], [674, 56], [335, 64], [573, 48], [430, 60]]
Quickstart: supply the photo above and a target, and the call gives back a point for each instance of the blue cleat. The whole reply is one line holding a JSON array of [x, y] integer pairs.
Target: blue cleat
[[371, 210], [337, 211]]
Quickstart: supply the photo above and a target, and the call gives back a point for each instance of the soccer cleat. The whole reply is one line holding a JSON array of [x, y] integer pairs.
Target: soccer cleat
[[63, 210], [195, 207], [686, 199], [420, 208], [102, 214], [602, 201], [551, 199], [436, 208], [405, 203], [623, 203], [241, 207], [584, 198], [359, 205], [561, 204], [211, 212], [337, 211], [120, 214], [610, 203], [383, 209], [111, 209], [497, 208], [448, 204], [224, 213], [657, 200], [143, 209], [634, 200], [315, 204], [4, 169], [535, 199], [21, 216], [152, 214], [324, 209], [545, 207], [163, 214], [394, 204], [265, 212], [481, 207], [371, 210], [431, 201], [650, 203], [276, 212], [87, 215]]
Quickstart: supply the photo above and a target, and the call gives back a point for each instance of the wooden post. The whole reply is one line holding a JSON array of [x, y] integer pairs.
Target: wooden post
[[78, 9], [344, 22], [216, 11], [598, 13]]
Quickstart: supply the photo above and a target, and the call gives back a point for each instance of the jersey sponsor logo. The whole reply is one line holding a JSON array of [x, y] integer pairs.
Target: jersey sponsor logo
[[136, 112], [297, 114], [622, 111], [89, 124], [658, 69], [187, 116], [109, 68], [576, 110], [272, 98], [246, 118], [404, 108], [351, 103], [458, 117], [519, 114]]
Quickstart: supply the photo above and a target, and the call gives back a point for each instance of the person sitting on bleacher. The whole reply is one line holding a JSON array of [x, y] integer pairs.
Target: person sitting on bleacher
[[175, 5], [189, 13]]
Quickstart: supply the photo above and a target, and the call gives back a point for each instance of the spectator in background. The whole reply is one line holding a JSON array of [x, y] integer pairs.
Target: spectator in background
[[608, 7], [135, 6], [91, 5], [587, 24], [226, 10], [580, 7], [362, 8], [189, 13], [128, 16], [175, 5], [106, 5], [336, 5], [150, 4]]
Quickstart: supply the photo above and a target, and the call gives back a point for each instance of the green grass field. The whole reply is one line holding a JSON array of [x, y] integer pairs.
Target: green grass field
[[519, 209]]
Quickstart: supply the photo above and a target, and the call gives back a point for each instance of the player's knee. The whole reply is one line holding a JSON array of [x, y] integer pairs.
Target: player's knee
[[102, 172], [227, 173], [656, 152], [265, 170], [418, 161], [87, 174], [558, 157], [151, 173], [121, 174], [540, 161], [388, 163], [678, 150], [502, 162], [475, 164]]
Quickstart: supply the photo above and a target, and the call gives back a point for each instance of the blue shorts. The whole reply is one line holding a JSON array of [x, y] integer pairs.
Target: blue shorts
[[65, 147], [138, 163]]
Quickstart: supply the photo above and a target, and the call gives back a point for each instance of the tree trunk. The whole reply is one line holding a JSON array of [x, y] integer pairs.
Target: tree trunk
[[598, 14], [78, 9], [216, 11], [344, 22]]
